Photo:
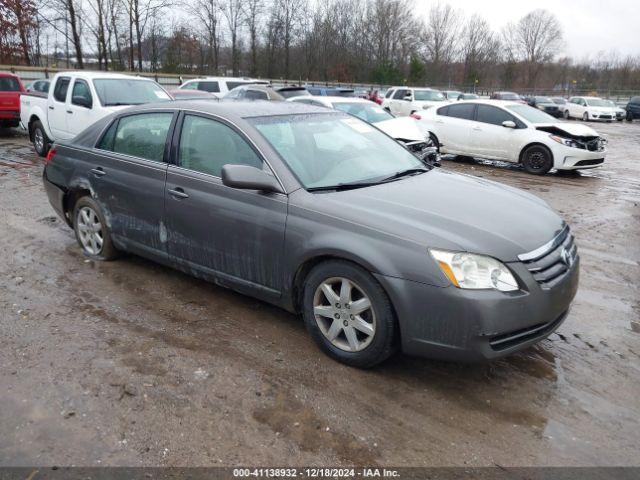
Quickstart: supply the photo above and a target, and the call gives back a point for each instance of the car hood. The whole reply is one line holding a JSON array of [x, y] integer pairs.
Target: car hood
[[440, 209], [573, 129], [402, 128], [600, 109]]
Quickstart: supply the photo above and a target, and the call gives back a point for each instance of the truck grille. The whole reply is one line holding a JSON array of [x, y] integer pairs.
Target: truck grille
[[550, 263]]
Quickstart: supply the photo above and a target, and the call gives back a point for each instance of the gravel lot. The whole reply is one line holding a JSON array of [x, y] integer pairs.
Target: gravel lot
[[131, 363]]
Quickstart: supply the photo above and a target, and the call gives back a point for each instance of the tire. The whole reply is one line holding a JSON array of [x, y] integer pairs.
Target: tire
[[41, 142], [629, 117], [585, 117], [566, 115], [435, 141], [537, 159], [372, 347], [82, 227]]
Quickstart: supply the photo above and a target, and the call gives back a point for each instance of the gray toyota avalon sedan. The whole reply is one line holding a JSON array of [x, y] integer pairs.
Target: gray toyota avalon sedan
[[324, 215]]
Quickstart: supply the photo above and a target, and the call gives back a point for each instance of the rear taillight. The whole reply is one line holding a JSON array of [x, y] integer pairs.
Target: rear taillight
[[416, 116], [50, 154]]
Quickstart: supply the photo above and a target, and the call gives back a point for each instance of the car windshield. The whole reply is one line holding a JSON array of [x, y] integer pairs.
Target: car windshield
[[333, 149], [9, 84], [369, 112], [610, 103], [596, 102], [433, 95], [543, 100], [559, 101], [531, 114], [122, 91], [509, 96]]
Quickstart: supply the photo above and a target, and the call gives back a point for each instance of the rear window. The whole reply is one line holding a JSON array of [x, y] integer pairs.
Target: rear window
[[211, 87], [60, 91], [463, 111], [9, 84]]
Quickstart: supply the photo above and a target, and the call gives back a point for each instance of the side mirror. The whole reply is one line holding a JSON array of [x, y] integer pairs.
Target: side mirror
[[81, 101], [509, 124], [249, 178]]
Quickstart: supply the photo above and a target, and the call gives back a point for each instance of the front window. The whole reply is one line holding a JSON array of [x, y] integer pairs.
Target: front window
[[365, 111], [431, 95], [324, 150], [596, 102], [209, 86], [124, 91], [9, 84], [531, 114]]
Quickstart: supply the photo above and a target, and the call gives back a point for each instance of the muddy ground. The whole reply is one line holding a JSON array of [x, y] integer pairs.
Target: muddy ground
[[131, 363]]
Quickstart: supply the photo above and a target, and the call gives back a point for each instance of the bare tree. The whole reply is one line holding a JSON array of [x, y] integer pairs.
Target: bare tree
[[140, 12], [479, 48], [253, 11], [289, 13], [234, 14], [535, 39], [208, 14], [441, 39]]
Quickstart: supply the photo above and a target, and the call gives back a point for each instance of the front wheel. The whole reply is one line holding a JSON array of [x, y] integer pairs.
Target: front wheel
[[40, 140], [566, 115], [537, 160], [92, 231], [585, 117], [348, 314], [629, 117]]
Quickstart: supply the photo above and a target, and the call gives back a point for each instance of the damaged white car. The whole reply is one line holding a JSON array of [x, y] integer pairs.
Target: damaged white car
[[513, 132], [404, 129]]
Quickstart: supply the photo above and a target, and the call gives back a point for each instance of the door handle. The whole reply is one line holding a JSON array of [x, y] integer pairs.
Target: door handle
[[98, 171], [178, 193], [69, 111], [50, 107]]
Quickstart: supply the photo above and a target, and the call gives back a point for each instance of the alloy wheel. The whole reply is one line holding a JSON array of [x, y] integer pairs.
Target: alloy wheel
[[38, 140], [90, 230], [344, 314]]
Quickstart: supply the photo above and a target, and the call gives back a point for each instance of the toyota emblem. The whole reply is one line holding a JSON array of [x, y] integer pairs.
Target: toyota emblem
[[566, 257]]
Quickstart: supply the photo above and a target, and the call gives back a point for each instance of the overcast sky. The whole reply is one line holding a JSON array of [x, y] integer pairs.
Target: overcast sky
[[589, 26]]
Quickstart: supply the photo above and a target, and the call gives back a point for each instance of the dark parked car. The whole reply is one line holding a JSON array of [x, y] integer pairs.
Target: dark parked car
[[324, 215], [547, 105], [510, 96], [633, 108]]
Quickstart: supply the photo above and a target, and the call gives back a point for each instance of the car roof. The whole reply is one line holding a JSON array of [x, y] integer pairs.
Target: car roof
[[484, 101], [89, 74], [234, 110]]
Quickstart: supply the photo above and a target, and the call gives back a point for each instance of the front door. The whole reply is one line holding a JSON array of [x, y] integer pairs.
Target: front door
[[233, 236], [489, 138], [79, 111], [128, 179]]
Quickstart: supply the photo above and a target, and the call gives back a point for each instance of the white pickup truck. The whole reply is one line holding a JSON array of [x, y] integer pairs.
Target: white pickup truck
[[78, 99]]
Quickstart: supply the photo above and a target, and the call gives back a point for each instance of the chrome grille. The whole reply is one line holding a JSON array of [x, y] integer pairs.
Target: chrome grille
[[551, 262]]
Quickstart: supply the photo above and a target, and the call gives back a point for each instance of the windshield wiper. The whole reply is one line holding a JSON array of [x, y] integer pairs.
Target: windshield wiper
[[342, 186], [404, 173]]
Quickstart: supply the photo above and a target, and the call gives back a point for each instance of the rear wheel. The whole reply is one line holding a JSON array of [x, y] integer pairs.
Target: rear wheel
[[92, 231], [39, 138], [348, 314], [537, 159]]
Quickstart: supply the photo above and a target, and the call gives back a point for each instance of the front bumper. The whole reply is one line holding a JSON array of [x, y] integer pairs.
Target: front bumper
[[569, 158], [475, 325]]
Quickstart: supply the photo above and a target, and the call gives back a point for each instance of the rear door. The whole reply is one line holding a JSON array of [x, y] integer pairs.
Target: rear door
[[455, 127], [57, 108], [397, 101], [128, 173], [233, 236]]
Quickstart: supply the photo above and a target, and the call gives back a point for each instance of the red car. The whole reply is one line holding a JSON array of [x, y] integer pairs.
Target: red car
[[10, 90]]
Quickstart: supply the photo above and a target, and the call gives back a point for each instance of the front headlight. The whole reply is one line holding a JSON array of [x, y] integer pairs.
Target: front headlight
[[475, 272], [565, 141]]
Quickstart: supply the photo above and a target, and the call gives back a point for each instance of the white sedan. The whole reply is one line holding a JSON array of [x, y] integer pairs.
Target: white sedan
[[589, 108], [513, 132], [404, 129]]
